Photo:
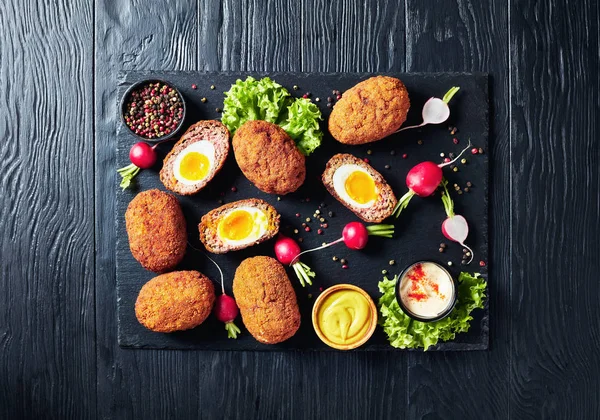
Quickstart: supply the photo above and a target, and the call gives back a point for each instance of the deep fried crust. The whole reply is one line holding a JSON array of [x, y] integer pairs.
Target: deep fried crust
[[268, 157], [210, 130], [266, 299], [175, 301], [210, 222], [370, 111], [383, 206], [156, 229]]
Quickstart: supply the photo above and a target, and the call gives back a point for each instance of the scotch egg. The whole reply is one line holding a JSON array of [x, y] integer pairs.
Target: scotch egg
[[238, 225], [196, 158], [359, 187]]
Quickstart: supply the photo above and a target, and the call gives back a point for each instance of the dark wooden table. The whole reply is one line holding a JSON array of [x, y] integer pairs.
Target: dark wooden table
[[59, 61]]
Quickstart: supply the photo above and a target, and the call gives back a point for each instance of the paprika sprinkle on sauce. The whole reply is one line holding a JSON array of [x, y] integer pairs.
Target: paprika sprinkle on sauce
[[426, 291]]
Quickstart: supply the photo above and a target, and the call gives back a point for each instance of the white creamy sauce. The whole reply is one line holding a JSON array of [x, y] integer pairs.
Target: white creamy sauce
[[426, 290]]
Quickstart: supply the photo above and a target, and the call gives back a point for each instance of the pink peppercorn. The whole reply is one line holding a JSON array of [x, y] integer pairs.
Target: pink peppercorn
[[344, 266], [482, 263], [404, 156], [455, 140], [474, 151], [307, 229]]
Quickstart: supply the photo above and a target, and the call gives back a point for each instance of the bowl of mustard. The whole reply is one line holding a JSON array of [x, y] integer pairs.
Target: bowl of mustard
[[344, 316]]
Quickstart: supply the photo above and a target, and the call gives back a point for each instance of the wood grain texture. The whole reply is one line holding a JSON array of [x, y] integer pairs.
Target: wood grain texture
[[47, 327], [555, 152], [457, 36], [133, 35]]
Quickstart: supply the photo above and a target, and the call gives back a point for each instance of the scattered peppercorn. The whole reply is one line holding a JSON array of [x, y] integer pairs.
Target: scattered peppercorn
[[387, 166], [442, 245], [278, 198], [343, 261], [419, 142], [453, 132], [450, 263], [317, 99], [220, 201], [308, 219], [480, 150], [455, 140], [392, 262], [297, 214], [467, 254], [474, 150], [300, 239], [335, 258], [218, 109], [455, 169], [212, 87], [303, 224], [463, 161], [310, 295], [384, 272], [203, 100], [305, 96], [325, 225], [482, 263], [295, 87], [466, 189], [322, 219], [451, 155], [194, 86], [404, 156], [329, 99], [442, 154], [329, 105], [446, 159], [320, 231], [459, 192], [331, 214], [469, 184], [307, 229], [369, 152], [441, 249], [338, 97], [317, 211], [344, 266]]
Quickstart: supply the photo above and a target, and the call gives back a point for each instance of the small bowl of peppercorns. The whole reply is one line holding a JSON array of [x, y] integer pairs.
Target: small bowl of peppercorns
[[153, 110]]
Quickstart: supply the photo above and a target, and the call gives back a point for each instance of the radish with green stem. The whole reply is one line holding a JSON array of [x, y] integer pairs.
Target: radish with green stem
[[356, 235], [435, 110], [142, 156], [226, 310], [422, 180], [455, 227], [286, 251]]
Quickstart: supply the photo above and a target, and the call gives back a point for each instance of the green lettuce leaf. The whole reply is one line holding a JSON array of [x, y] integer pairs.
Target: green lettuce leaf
[[302, 124], [267, 100], [404, 332]]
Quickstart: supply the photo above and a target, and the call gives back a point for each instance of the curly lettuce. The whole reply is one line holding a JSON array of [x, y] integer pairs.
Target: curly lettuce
[[404, 332], [267, 100]]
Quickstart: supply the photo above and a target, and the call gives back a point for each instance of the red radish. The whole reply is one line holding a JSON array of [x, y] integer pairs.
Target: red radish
[[435, 110], [422, 180], [286, 251], [356, 235], [142, 156], [226, 310], [455, 227]]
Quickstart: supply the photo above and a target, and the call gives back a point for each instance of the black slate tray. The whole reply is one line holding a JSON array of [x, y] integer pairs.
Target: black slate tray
[[418, 233]]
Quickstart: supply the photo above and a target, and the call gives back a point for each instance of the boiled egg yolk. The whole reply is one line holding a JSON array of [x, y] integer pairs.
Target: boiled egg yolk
[[194, 166], [236, 225], [360, 186]]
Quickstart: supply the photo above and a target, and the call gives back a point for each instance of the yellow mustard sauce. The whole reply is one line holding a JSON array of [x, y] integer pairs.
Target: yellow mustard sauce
[[344, 317]]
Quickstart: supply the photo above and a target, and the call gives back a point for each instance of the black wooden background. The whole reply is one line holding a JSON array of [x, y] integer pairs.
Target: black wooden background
[[59, 62]]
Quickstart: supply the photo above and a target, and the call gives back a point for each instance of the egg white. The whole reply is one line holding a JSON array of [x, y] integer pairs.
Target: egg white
[[340, 176], [261, 222], [203, 147]]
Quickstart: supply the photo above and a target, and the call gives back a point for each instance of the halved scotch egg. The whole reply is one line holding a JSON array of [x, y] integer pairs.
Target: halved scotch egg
[[238, 225], [359, 187], [196, 158]]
